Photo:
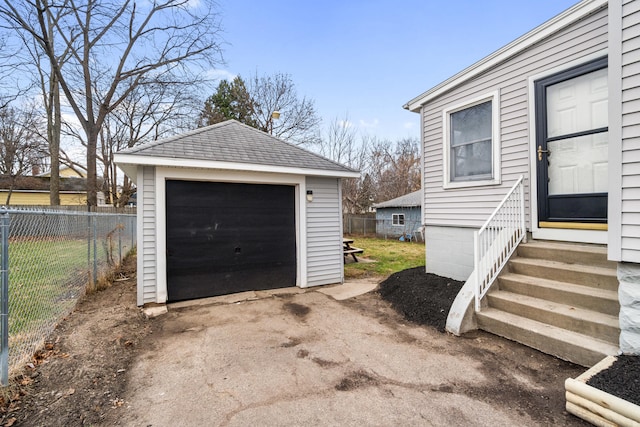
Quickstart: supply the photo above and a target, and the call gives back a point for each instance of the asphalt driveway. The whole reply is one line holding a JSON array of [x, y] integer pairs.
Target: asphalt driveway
[[294, 358]]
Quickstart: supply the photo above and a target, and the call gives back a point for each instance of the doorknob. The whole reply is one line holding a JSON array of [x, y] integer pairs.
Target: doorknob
[[540, 151]]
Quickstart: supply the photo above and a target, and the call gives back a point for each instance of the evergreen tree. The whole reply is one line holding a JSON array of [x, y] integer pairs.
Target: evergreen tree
[[230, 101]]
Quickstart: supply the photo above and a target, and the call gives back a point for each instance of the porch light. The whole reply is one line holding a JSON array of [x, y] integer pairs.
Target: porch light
[[309, 196]]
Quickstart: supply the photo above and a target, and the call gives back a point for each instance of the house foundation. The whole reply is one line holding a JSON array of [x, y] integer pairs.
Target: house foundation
[[629, 297]]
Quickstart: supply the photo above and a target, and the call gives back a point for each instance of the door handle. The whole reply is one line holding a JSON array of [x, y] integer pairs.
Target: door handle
[[540, 151]]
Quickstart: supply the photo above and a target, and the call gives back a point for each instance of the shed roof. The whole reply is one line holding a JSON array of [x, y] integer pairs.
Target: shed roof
[[411, 199], [231, 145]]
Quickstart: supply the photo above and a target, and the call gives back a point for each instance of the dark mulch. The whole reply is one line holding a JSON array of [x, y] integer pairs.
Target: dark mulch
[[420, 297], [622, 379], [425, 299]]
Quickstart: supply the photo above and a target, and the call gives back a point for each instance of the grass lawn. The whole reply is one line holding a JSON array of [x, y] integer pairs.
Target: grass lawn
[[390, 256], [44, 278]]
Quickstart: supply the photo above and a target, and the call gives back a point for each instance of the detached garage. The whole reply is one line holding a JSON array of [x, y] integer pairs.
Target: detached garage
[[228, 208]]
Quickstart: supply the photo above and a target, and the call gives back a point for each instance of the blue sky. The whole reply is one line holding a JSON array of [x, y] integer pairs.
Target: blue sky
[[368, 58]]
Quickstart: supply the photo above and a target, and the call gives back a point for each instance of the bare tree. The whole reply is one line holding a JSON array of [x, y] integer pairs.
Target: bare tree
[[341, 143], [150, 112], [298, 122], [114, 47], [20, 146], [395, 168]]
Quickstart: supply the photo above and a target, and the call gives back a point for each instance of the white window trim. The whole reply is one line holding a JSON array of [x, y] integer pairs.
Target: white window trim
[[494, 97], [393, 223]]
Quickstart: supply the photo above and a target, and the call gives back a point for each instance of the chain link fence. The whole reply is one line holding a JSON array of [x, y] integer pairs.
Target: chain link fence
[[48, 260], [365, 225]]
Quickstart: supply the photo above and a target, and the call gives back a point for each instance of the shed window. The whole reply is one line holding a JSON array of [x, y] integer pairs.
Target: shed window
[[397, 219], [471, 144]]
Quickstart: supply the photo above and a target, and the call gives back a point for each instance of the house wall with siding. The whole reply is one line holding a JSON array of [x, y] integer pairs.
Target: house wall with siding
[[624, 164], [624, 78], [384, 221], [470, 207], [466, 209], [147, 242], [41, 198], [324, 232]]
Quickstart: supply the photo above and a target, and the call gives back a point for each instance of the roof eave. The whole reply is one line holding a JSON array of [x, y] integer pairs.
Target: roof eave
[[542, 31], [128, 162]]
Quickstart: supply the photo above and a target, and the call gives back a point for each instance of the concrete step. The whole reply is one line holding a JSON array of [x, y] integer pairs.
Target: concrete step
[[588, 322], [570, 253], [579, 274], [567, 345], [601, 300]]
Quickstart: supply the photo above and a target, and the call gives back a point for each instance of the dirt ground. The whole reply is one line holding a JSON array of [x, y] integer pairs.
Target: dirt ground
[[352, 362], [408, 295], [80, 375]]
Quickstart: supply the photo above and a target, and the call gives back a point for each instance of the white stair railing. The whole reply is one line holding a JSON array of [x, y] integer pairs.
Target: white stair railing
[[498, 238]]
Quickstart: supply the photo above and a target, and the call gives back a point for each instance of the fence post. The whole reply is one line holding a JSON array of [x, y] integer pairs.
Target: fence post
[[4, 298], [120, 226], [95, 249]]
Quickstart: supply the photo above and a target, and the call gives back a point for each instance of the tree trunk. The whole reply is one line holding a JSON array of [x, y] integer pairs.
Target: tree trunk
[[92, 175], [53, 133]]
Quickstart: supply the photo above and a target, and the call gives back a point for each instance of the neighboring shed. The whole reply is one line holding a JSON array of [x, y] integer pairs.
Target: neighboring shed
[[228, 208], [400, 216]]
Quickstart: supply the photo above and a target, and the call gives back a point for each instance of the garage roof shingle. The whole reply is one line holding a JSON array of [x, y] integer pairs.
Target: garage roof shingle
[[234, 142]]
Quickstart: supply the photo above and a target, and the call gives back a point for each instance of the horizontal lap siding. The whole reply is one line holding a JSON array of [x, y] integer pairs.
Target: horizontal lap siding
[[472, 206], [324, 239], [148, 250], [630, 168]]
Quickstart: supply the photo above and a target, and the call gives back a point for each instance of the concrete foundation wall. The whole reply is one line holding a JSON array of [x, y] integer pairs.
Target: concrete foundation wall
[[449, 251], [629, 297]]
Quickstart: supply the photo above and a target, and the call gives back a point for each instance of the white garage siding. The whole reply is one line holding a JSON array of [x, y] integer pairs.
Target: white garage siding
[[147, 259], [324, 232]]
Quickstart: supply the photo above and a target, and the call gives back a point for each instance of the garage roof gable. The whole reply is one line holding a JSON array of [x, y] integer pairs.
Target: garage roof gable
[[234, 143]]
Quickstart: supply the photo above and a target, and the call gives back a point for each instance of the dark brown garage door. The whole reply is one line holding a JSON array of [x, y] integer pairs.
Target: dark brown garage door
[[224, 238]]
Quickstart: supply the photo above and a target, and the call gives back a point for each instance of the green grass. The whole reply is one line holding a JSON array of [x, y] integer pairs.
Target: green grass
[[44, 276], [390, 256]]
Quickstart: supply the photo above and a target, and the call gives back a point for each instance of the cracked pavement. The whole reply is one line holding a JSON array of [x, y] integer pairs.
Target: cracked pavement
[[306, 359]]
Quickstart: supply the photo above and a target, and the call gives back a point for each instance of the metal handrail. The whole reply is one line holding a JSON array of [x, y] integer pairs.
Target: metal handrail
[[498, 238]]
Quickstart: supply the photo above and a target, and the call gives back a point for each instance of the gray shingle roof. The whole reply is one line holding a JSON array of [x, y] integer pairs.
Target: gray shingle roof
[[411, 199], [234, 142]]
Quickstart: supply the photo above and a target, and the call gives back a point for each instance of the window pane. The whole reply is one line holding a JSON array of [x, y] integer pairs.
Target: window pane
[[397, 219], [578, 104], [579, 165], [471, 160], [471, 124]]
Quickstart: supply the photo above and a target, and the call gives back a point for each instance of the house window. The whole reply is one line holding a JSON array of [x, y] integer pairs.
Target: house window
[[397, 219], [471, 144]]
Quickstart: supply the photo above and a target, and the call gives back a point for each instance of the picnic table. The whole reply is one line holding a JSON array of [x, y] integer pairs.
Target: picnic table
[[350, 250]]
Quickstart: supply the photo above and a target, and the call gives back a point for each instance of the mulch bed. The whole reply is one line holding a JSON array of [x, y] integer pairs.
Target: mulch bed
[[621, 379], [426, 298], [420, 297]]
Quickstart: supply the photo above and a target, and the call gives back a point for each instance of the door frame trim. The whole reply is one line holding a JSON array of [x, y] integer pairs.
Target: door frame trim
[[561, 234], [163, 174]]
